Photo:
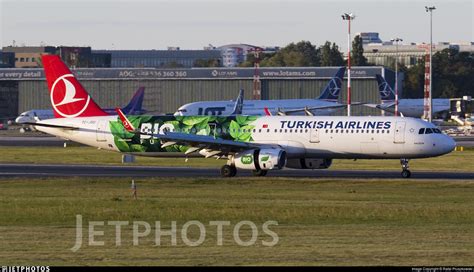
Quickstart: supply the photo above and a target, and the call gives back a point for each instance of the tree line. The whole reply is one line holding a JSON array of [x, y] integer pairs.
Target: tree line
[[453, 75], [453, 71], [303, 54]]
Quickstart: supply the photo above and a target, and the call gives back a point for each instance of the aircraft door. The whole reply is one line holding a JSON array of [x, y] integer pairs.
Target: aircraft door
[[314, 136], [101, 131], [399, 132]]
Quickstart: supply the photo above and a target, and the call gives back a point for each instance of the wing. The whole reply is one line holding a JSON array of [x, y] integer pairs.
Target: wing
[[385, 106], [213, 146], [308, 110]]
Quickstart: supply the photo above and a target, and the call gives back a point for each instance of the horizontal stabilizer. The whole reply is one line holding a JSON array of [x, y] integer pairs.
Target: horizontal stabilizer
[[50, 125]]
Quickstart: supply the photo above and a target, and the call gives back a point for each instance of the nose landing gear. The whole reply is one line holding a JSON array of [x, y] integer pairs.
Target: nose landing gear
[[405, 168]]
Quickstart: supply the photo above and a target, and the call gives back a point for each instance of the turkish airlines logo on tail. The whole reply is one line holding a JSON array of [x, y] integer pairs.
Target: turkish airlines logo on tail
[[64, 98]]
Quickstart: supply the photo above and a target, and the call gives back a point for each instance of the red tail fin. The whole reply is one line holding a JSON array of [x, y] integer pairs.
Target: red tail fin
[[68, 97]]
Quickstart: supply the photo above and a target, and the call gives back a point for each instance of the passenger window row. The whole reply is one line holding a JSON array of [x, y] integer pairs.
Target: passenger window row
[[332, 131]]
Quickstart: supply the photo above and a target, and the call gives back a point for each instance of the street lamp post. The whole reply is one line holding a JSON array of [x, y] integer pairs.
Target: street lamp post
[[396, 40], [430, 10], [348, 17]]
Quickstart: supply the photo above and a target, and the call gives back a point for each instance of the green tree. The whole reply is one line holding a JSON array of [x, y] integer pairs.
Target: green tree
[[330, 55], [357, 52], [251, 59], [300, 54], [413, 84], [453, 75], [206, 63]]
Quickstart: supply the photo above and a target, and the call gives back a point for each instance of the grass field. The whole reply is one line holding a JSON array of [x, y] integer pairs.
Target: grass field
[[320, 222], [455, 161]]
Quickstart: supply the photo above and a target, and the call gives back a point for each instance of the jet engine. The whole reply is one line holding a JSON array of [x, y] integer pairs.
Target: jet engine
[[263, 159], [303, 163]]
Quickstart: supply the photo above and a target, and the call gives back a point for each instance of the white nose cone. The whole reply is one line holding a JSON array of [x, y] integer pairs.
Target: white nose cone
[[24, 119], [448, 145]]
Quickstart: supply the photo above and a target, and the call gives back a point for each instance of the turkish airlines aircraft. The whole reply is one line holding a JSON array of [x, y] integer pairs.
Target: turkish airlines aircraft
[[256, 143], [133, 107], [325, 104], [408, 107]]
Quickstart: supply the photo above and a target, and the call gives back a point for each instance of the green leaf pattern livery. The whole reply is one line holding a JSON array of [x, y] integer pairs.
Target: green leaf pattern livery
[[237, 128]]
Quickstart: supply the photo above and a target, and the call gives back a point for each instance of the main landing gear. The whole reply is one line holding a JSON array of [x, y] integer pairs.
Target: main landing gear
[[405, 168], [228, 171], [259, 173]]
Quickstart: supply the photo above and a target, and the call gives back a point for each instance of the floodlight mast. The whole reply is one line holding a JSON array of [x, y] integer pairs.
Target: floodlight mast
[[396, 40], [430, 115], [348, 17]]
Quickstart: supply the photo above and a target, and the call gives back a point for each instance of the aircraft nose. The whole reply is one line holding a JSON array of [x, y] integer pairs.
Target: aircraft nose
[[19, 120], [448, 144]]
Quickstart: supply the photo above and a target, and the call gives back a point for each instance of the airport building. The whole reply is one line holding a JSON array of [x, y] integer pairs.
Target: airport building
[[173, 57], [384, 53], [73, 56], [235, 54], [167, 89]]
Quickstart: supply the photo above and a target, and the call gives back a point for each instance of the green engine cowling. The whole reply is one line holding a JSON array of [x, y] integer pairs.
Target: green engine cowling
[[260, 159]]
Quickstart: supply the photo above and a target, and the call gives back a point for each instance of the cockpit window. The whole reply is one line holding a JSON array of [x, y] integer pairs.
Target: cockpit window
[[429, 131], [182, 110]]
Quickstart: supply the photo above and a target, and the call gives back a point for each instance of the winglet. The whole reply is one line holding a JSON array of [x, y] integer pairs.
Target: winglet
[[239, 103], [126, 123], [267, 112]]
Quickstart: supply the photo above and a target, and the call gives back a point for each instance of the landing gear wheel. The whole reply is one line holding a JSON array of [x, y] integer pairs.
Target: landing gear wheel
[[406, 173], [228, 171], [259, 173], [405, 168]]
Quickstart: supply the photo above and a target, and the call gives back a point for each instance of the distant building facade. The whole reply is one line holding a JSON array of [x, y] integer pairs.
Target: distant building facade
[[369, 37], [7, 59], [73, 56], [235, 54], [28, 56], [384, 53], [174, 57]]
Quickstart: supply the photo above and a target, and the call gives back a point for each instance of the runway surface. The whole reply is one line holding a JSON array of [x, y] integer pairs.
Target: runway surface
[[51, 170], [31, 141]]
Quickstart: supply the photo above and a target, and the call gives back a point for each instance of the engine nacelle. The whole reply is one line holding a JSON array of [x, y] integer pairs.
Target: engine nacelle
[[264, 159], [309, 163]]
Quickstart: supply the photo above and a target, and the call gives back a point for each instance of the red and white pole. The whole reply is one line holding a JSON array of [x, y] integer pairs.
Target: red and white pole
[[349, 69], [348, 17], [257, 92], [396, 40]]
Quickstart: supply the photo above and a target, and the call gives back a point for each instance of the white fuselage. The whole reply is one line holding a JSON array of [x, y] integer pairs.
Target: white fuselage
[[255, 107], [301, 136], [32, 116], [414, 107]]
